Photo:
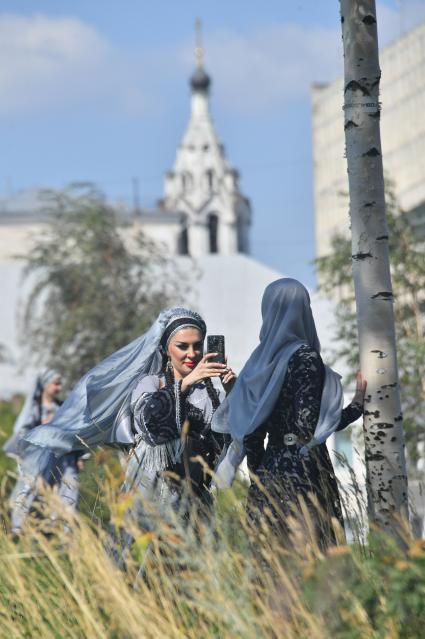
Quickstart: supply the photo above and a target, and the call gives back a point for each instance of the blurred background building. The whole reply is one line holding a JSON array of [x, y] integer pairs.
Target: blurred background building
[[205, 209], [402, 133]]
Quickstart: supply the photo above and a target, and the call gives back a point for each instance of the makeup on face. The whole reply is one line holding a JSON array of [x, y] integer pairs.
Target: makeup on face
[[185, 350]]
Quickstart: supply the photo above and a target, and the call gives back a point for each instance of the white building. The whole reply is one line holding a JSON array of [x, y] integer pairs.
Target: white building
[[402, 135]]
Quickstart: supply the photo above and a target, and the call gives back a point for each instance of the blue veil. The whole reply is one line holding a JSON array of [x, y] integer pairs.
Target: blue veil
[[97, 411], [287, 324]]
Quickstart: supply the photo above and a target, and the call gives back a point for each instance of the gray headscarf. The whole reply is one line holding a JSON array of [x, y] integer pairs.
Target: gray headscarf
[[98, 410], [287, 324], [30, 414]]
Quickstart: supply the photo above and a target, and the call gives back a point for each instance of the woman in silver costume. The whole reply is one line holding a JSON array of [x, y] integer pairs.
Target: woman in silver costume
[[172, 413], [154, 396], [40, 407]]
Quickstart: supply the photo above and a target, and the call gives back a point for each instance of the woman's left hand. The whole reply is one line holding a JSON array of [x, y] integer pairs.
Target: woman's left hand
[[228, 379]]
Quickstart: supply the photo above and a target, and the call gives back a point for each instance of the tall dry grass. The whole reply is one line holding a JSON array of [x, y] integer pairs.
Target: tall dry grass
[[64, 578]]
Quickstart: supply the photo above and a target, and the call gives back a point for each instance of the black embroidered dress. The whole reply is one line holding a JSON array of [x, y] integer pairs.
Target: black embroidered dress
[[282, 471]]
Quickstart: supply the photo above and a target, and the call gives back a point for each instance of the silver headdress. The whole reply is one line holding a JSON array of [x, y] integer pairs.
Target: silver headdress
[[184, 319]]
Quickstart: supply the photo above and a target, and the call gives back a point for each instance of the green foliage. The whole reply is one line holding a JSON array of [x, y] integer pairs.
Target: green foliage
[[95, 285], [379, 595], [9, 410], [102, 469], [229, 510], [220, 578], [408, 278]]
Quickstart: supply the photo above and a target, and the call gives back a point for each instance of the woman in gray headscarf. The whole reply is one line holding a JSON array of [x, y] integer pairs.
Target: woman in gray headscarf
[[39, 408], [153, 396], [286, 392]]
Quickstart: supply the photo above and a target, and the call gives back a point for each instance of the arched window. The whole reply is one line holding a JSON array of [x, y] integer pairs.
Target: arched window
[[183, 237], [240, 229], [213, 232]]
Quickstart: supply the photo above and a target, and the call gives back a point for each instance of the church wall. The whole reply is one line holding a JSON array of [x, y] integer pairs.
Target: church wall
[[165, 234], [198, 240]]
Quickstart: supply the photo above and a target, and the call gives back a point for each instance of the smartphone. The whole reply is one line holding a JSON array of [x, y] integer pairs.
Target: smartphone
[[215, 344]]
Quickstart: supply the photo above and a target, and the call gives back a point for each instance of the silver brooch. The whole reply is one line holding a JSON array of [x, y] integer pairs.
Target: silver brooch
[[290, 439]]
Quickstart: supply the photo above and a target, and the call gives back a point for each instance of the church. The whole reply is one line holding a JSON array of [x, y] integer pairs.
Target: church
[[203, 211]]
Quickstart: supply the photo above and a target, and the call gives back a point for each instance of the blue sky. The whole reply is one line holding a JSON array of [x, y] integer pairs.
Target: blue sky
[[98, 91]]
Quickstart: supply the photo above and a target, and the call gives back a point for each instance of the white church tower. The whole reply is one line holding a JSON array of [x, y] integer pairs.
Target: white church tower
[[202, 187]]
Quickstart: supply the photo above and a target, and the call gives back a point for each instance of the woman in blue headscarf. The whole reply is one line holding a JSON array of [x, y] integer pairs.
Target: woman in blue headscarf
[[285, 392], [153, 396], [39, 408]]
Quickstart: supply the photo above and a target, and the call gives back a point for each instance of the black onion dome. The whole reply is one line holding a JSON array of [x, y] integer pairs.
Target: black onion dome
[[200, 80]]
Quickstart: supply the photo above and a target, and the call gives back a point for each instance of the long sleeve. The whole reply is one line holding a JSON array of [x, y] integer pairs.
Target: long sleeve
[[308, 394], [154, 411], [254, 446], [350, 414]]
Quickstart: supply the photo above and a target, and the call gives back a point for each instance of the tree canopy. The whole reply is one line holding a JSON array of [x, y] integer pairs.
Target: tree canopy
[[95, 286], [408, 278]]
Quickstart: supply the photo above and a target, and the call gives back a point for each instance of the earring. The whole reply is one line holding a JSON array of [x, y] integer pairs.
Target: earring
[[169, 365]]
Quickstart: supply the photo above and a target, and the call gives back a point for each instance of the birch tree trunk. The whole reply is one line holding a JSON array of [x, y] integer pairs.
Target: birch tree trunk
[[383, 429]]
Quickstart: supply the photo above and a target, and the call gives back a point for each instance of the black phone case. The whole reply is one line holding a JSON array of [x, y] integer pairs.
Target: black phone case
[[215, 344]]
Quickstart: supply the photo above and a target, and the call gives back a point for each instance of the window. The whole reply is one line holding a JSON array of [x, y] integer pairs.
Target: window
[[183, 237], [210, 179], [241, 235], [187, 181], [213, 232]]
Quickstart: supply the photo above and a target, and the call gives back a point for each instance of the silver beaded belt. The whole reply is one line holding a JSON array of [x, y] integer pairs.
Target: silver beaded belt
[[290, 439]]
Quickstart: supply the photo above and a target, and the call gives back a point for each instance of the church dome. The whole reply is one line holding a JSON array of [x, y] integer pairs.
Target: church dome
[[200, 80]]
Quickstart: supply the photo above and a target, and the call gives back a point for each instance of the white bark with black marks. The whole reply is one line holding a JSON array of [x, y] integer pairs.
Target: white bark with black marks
[[384, 445]]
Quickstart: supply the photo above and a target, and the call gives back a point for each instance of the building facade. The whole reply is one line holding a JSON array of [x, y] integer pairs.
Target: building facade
[[402, 134]]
